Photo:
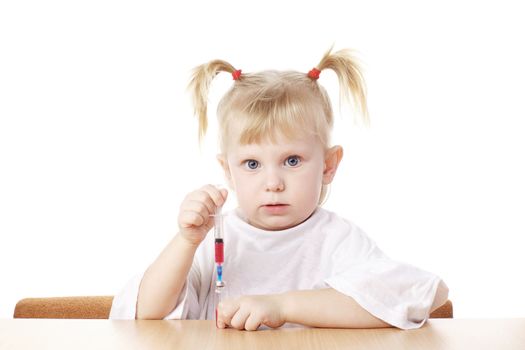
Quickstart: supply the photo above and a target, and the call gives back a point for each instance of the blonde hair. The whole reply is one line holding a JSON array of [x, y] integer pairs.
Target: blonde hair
[[265, 104]]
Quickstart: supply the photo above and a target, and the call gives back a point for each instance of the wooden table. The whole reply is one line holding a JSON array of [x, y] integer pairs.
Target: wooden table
[[105, 334]]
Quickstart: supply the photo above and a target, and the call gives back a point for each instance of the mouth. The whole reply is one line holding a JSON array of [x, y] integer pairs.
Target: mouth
[[275, 208]]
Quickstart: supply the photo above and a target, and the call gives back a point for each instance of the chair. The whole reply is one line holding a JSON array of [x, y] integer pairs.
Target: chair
[[92, 307], [444, 311], [98, 307]]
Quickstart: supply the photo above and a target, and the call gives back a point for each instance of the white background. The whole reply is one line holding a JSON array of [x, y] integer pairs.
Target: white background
[[98, 145]]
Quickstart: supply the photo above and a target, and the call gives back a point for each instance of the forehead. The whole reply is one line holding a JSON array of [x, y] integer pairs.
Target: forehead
[[277, 146], [245, 129]]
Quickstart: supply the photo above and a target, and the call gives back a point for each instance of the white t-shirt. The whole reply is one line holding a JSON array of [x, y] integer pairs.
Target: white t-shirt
[[322, 252]]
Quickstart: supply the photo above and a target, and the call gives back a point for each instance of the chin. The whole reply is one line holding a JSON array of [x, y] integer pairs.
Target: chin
[[278, 223]]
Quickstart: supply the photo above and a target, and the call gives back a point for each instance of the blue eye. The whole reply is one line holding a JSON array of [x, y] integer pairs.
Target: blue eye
[[292, 161], [251, 164]]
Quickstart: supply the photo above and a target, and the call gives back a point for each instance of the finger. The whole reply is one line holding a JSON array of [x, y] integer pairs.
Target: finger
[[218, 322], [253, 322], [198, 207], [202, 197], [225, 312], [239, 319], [218, 196], [190, 219], [224, 194]]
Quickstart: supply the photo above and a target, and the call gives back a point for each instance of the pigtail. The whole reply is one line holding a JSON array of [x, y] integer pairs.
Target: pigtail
[[200, 85], [351, 82]]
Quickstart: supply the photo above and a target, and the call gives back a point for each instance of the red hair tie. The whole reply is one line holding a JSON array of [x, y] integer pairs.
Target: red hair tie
[[237, 74], [314, 74]]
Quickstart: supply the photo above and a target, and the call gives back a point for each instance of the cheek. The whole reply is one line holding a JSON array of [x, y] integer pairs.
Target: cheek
[[310, 184], [314, 176], [242, 185], [238, 181]]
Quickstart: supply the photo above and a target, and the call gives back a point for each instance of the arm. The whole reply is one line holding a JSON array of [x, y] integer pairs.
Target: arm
[[164, 279], [327, 308], [315, 308]]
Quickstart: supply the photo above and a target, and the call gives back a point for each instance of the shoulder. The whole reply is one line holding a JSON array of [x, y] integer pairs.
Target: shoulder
[[334, 224], [349, 237]]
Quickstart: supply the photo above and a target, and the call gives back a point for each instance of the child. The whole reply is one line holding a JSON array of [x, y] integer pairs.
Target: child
[[287, 260]]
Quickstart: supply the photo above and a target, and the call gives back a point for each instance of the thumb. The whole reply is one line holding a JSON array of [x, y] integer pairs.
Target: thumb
[[224, 193]]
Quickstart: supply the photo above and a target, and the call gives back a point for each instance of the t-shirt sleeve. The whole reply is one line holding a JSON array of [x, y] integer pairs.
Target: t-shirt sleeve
[[124, 306], [397, 293]]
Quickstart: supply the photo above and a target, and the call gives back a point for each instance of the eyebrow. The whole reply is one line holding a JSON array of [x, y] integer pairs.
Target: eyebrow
[[281, 153]]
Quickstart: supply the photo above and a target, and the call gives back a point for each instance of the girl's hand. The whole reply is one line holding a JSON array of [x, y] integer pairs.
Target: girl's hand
[[250, 312], [195, 211]]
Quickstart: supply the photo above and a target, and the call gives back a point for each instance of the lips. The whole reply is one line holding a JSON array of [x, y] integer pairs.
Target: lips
[[275, 208]]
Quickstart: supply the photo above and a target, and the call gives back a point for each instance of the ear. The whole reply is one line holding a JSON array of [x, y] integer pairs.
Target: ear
[[223, 161], [332, 158]]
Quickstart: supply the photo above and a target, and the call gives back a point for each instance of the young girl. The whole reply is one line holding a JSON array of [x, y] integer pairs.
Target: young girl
[[287, 260]]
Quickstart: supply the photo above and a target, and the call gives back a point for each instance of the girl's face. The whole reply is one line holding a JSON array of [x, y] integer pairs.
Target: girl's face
[[278, 184]]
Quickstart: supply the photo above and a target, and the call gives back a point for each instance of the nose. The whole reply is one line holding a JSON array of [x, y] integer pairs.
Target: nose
[[274, 182]]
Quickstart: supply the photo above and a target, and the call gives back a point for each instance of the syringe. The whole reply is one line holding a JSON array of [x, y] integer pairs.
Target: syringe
[[219, 248], [219, 258]]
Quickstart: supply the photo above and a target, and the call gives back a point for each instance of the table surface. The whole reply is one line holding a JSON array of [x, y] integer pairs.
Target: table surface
[[174, 334]]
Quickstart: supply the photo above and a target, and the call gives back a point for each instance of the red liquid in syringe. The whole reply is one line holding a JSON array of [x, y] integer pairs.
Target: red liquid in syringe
[[219, 250]]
